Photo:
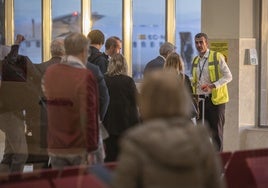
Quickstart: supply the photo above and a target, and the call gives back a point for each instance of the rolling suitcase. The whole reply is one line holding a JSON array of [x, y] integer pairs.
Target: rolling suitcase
[[197, 101]]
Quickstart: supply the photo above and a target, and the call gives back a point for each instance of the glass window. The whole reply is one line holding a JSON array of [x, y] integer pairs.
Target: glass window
[[143, 44], [38, 45], [65, 17], [28, 44], [2, 22], [134, 44], [188, 23], [27, 21], [107, 19], [148, 26], [152, 44]]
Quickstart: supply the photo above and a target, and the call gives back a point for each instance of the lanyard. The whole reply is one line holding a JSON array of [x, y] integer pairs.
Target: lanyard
[[201, 68]]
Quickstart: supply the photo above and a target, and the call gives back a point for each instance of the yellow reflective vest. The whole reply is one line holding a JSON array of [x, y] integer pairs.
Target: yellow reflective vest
[[219, 95]]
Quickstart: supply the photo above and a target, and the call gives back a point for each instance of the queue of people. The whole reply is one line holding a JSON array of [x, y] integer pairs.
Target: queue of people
[[90, 112]]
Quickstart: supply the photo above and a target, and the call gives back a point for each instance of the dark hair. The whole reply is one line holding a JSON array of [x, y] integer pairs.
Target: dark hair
[[199, 35], [111, 41], [96, 37]]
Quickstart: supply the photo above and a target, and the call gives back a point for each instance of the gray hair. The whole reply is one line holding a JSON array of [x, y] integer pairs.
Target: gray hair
[[75, 43], [57, 47], [166, 49]]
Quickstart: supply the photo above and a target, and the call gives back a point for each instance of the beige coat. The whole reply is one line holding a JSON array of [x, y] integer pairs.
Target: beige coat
[[167, 154]]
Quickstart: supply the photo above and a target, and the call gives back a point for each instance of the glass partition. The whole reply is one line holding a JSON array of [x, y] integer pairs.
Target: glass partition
[[148, 33], [66, 17], [2, 22], [188, 23], [107, 17], [27, 21]]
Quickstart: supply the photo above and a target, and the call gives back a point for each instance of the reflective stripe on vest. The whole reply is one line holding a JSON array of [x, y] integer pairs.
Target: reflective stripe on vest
[[219, 95]]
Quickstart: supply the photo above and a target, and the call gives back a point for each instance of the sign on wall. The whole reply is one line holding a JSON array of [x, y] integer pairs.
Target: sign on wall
[[220, 46]]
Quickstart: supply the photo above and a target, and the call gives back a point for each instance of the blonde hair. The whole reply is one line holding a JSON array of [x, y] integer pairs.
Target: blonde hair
[[117, 65], [163, 95], [175, 61]]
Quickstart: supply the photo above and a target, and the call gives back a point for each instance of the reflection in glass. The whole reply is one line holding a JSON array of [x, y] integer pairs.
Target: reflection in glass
[[27, 21], [66, 17], [188, 23], [107, 19], [148, 33], [2, 22]]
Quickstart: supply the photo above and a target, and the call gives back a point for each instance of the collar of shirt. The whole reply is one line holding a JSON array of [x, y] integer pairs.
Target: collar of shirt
[[163, 57], [205, 55], [73, 61], [203, 70]]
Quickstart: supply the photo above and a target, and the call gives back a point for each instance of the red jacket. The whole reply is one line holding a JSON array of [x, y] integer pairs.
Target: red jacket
[[72, 104]]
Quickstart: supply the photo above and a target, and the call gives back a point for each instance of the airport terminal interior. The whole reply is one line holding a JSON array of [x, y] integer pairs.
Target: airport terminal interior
[[236, 28]]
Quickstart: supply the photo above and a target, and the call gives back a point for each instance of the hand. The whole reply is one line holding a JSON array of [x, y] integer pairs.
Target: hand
[[211, 86], [19, 39], [204, 87], [207, 87]]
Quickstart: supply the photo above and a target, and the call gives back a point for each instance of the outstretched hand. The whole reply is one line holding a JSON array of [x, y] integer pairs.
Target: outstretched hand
[[19, 39]]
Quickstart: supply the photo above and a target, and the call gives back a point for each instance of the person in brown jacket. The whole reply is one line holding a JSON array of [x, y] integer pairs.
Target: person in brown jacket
[[166, 150]]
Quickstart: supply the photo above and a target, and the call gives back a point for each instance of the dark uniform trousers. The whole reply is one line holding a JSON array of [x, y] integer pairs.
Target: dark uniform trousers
[[215, 117]]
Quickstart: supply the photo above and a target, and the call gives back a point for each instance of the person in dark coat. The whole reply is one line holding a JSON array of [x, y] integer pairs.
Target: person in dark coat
[[122, 111], [96, 57], [98, 63], [158, 62], [57, 51], [103, 106]]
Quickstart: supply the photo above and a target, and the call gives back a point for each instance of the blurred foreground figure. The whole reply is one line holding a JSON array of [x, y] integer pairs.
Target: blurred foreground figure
[[167, 150], [72, 106], [18, 78]]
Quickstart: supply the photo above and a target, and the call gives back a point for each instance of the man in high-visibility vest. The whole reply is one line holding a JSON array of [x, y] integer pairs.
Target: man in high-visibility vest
[[210, 77]]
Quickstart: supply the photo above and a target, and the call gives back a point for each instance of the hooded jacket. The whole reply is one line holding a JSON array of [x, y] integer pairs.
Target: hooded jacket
[[168, 153]]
